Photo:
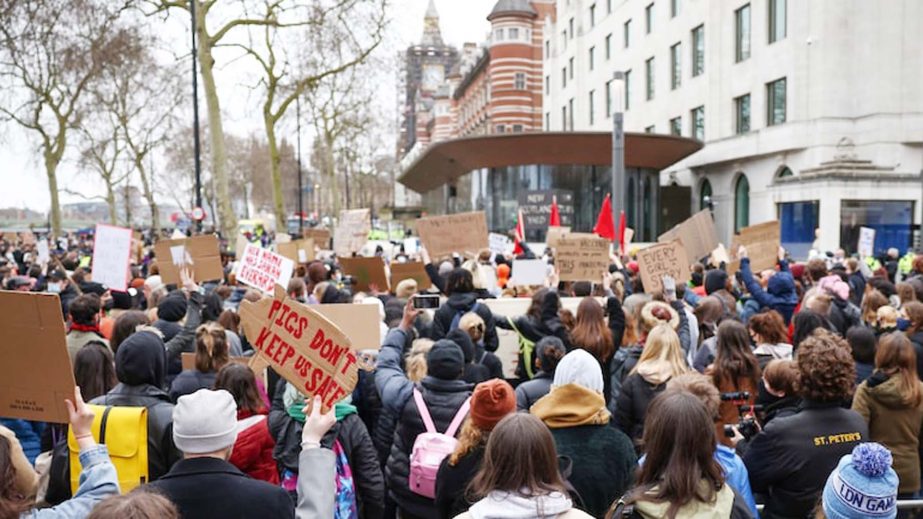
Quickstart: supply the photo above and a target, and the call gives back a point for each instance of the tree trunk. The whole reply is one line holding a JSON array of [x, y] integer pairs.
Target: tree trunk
[[276, 174], [110, 203], [331, 175], [51, 171]]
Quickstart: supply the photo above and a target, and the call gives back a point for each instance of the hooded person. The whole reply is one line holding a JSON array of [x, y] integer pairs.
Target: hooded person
[[463, 299], [716, 284], [474, 373], [170, 312], [602, 457], [779, 295]]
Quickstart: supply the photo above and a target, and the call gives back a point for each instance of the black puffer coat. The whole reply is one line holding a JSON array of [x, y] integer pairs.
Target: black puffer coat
[[461, 303]]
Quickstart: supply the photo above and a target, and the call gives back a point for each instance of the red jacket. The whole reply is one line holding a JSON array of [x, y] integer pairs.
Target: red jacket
[[253, 449]]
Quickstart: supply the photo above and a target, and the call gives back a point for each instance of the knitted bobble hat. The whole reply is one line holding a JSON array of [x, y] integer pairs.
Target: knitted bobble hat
[[863, 485]]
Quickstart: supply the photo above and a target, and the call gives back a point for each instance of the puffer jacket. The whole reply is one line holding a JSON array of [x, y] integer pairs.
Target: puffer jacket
[[531, 391], [461, 303], [893, 422], [533, 329], [393, 388], [252, 452], [443, 399], [631, 407], [780, 292]]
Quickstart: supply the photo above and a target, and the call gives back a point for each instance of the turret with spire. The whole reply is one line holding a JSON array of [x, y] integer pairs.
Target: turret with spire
[[432, 36]]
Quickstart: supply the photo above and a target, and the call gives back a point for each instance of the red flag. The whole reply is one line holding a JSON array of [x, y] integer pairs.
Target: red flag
[[555, 220], [605, 225], [622, 225], [519, 235]]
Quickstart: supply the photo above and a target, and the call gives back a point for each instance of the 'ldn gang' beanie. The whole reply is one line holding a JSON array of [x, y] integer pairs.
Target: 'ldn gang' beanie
[[205, 421], [862, 485], [490, 402]]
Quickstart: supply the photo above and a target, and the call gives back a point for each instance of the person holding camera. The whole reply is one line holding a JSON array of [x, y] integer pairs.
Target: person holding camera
[[736, 374]]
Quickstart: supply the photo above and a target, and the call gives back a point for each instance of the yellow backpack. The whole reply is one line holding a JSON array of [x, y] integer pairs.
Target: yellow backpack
[[123, 430]]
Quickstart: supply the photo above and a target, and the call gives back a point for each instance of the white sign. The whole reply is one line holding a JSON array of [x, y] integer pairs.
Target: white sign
[[263, 269], [111, 254], [866, 242], [411, 246], [44, 255], [529, 272], [499, 243]]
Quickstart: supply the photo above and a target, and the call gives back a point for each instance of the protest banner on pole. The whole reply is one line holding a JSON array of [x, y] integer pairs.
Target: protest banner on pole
[[36, 373], [302, 346], [366, 272], [112, 256], [200, 254], [762, 242], [663, 259], [464, 233], [582, 257], [697, 234], [264, 269], [499, 243], [866, 246], [352, 231], [529, 272], [411, 270], [299, 251]]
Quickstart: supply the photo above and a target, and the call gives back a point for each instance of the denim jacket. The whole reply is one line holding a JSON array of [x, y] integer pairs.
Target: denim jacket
[[98, 481]]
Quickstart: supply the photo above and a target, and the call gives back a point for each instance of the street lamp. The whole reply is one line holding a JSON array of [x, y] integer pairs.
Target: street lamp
[[195, 116], [619, 197]]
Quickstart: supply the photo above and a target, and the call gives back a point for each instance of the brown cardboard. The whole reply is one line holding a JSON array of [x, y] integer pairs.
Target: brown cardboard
[[352, 231], [554, 235], [205, 255], [720, 255], [361, 323], [292, 250], [663, 259], [411, 270], [302, 346], [320, 236], [35, 374], [366, 272], [464, 233], [582, 257], [697, 234], [762, 242]]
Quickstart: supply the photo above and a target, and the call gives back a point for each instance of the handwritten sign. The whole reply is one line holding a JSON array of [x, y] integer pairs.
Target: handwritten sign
[[36, 374], [264, 269], [582, 257], [866, 245], [536, 208], [299, 251], [499, 243], [302, 346], [352, 231], [529, 272], [762, 242], [366, 272], [411, 270], [200, 254], [111, 256], [697, 235], [464, 233], [554, 235], [320, 236], [663, 259]]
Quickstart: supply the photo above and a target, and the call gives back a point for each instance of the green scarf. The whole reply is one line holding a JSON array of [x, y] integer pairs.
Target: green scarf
[[294, 405]]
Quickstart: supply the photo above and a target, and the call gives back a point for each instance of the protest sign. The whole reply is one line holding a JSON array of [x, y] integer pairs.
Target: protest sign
[[536, 208], [240, 246], [866, 245], [320, 236], [582, 257], [499, 243], [111, 256], [720, 255], [464, 233], [411, 246], [302, 346], [411, 270], [200, 254], [299, 251], [361, 323], [264, 269], [663, 259], [352, 231], [697, 234], [44, 254], [177, 235], [366, 272], [36, 374], [762, 242], [554, 235], [529, 272]]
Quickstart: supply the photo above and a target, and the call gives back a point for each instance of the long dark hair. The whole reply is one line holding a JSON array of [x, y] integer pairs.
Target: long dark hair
[[734, 359], [679, 441], [125, 325], [590, 332], [460, 282], [535, 306], [804, 323], [239, 381], [896, 357], [11, 503], [94, 370]]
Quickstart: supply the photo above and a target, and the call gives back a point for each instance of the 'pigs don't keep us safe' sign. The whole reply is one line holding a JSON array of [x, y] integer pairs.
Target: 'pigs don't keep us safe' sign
[[302, 346]]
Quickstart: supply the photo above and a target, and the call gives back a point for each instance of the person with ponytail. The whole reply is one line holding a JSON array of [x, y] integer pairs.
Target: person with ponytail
[[211, 354]]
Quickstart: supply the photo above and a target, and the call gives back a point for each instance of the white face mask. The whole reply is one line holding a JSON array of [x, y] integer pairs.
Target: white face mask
[[54, 288]]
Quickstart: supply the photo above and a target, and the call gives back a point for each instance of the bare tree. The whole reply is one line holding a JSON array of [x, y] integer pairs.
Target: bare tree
[[101, 153]]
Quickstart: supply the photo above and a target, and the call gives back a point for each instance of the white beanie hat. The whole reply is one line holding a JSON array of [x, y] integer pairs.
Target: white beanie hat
[[205, 421], [581, 368]]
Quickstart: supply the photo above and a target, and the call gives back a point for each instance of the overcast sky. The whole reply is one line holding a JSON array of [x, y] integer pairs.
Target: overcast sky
[[22, 171]]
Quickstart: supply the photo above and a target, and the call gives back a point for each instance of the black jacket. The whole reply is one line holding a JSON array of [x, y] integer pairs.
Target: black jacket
[[632, 404], [460, 303], [210, 487], [791, 459], [169, 330], [443, 398], [452, 484], [190, 381], [916, 339], [530, 391]]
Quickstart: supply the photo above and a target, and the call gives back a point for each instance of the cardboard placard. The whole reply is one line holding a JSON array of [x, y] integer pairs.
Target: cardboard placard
[[762, 242], [44, 254], [299, 251], [720, 255], [411, 246], [240, 246], [359, 322], [499, 243], [554, 235], [112, 256], [320, 236], [528, 272], [663, 259], [264, 269], [36, 374], [352, 231], [697, 234], [629, 235], [302, 346], [199, 253], [866, 246], [582, 257], [411, 270], [464, 233], [366, 272]]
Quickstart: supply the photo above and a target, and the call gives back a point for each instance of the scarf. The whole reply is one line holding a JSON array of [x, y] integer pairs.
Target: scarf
[[94, 328], [294, 405], [571, 405]]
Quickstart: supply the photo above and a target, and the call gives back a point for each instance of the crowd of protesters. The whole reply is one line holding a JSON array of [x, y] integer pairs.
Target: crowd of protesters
[[797, 388]]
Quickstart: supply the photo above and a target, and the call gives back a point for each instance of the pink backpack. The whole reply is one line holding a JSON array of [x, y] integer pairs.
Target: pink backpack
[[430, 448]]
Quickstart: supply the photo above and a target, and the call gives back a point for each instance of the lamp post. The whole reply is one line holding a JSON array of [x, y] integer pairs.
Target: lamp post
[[195, 116], [619, 195]]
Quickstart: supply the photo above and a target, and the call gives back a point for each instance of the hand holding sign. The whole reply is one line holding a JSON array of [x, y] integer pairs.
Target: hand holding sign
[[316, 424], [187, 280], [81, 419], [741, 252]]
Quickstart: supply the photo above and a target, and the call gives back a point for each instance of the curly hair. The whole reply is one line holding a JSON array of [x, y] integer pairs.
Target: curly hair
[[470, 437], [826, 369]]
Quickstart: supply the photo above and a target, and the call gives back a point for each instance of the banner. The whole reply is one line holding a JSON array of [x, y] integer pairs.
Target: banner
[[352, 231], [697, 235], [762, 242], [264, 269], [866, 247], [112, 256], [411, 270], [499, 243], [464, 233], [299, 251], [663, 259], [582, 257], [529, 272], [366, 272], [200, 254]]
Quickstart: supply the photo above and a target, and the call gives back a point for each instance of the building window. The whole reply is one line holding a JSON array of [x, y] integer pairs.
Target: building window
[[564, 77], [627, 90], [498, 35], [741, 203], [608, 99], [674, 8], [892, 220], [775, 102], [648, 18], [676, 126], [592, 57], [649, 129], [519, 81], [570, 113], [698, 123], [517, 128], [705, 195], [564, 39], [593, 16], [676, 66], [784, 172], [592, 107], [513, 33], [798, 222], [777, 24], [501, 128], [608, 46], [547, 49], [547, 85], [742, 33], [564, 118], [570, 29], [698, 50], [547, 121], [649, 77], [626, 34], [742, 112], [570, 68]]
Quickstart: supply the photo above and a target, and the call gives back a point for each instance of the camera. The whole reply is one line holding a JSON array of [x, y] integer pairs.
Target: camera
[[735, 396], [747, 427]]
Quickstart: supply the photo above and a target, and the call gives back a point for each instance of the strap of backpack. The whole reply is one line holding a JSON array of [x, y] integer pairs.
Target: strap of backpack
[[424, 412], [102, 425], [525, 348], [459, 416]]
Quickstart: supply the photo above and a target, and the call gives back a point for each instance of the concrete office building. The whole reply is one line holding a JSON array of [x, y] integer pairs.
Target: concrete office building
[[811, 111]]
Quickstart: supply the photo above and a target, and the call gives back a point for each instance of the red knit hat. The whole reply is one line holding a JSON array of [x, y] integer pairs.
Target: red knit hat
[[491, 401]]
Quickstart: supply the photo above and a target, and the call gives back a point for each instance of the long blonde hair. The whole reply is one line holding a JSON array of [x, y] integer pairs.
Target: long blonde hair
[[469, 438], [663, 345], [416, 360]]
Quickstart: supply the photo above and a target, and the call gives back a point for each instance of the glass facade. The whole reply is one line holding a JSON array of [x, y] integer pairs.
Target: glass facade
[[698, 50], [775, 102], [676, 66], [798, 222], [777, 25], [741, 203], [742, 109], [891, 219], [742, 33]]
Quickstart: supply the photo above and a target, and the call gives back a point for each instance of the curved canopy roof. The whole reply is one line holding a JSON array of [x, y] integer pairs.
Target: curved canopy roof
[[512, 7]]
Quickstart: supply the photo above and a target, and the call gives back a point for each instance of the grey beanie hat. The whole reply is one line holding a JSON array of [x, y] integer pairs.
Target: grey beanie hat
[[205, 421]]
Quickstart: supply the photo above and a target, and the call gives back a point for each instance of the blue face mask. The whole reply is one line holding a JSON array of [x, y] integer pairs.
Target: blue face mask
[[54, 288]]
